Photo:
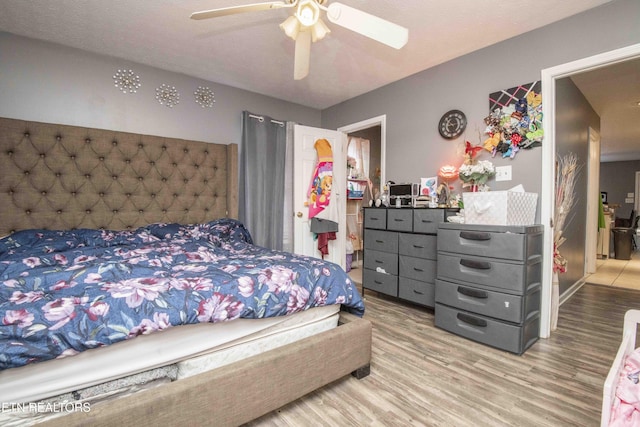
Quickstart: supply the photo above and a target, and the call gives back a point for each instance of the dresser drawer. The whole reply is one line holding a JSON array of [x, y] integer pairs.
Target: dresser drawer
[[496, 333], [427, 220], [503, 245], [379, 282], [400, 219], [386, 260], [509, 277], [385, 241], [417, 268], [375, 218], [416, 291], [511, 308], [417, 245]]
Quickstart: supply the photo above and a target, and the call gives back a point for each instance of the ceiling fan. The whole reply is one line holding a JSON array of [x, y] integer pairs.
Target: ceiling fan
[[305, 25]]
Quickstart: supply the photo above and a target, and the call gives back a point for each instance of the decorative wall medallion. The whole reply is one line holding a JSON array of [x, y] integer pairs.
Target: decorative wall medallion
[[204, 97], [167, 95], [127, 81]]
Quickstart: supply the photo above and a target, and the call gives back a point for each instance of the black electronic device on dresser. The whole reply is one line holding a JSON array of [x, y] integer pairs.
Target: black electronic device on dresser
[[489, 283], [400, 252]]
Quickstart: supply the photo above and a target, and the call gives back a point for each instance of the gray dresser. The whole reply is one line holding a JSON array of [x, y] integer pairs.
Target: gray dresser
[[400, 252], [489, 283]]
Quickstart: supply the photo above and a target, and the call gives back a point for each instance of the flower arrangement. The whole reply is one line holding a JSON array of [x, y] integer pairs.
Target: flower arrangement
[[477, 173], [566, 170], [565, 200]]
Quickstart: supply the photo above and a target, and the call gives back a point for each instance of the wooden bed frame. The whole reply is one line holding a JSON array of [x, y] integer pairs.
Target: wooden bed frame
[[64, 177]]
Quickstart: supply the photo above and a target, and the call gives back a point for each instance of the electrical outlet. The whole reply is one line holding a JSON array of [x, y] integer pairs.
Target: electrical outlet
[[503, 173]]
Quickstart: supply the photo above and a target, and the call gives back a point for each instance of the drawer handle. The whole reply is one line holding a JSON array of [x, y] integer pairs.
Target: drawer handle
[[379, 262], [377, 282], [374, 218], [472, 320], [379, 241], [398, 220], [418, 269], [418, 292], [478, 265], [418, 247], [474, 235], [474, 293], [425, 221]]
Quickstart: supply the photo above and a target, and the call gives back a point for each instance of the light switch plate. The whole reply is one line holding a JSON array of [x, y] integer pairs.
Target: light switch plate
[[503, 173]]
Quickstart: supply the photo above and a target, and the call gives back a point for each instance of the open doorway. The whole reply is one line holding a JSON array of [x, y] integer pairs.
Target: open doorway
[[549, 77], [366, 149]]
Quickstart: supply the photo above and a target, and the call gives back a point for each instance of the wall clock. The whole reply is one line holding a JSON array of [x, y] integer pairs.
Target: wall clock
[[452, 124]]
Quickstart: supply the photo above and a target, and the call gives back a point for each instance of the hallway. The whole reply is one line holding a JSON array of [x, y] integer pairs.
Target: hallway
[[618, 273]]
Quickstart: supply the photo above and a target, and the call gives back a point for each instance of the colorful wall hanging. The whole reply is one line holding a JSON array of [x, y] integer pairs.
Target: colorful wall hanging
[[515, 120]]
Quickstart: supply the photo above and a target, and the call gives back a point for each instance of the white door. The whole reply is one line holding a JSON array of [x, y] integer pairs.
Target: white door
[[304, 163]]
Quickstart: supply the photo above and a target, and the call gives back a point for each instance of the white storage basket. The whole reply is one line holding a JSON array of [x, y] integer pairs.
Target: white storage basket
[[500, 207]]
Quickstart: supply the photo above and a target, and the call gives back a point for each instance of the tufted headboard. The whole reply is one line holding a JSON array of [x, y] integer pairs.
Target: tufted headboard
[[63, 177]]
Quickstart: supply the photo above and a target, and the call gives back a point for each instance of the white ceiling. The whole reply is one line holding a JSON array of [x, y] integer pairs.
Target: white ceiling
[[250, 51]]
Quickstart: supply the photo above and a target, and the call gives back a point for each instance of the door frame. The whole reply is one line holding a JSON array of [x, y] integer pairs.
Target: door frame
[[637, 195], [549, 77], [369, 123], [593, 202]]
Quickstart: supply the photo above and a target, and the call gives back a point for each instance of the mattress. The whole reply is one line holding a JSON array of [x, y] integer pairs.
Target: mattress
[[231, 340]]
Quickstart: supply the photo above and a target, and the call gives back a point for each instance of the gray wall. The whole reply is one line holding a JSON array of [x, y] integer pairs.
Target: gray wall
[[415, 104], [574, 116], [46, 82], [618, 179]]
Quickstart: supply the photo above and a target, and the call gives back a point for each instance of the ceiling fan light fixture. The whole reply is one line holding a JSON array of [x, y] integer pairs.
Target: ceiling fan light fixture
[[319, 30], [308, 12], [291, 27]]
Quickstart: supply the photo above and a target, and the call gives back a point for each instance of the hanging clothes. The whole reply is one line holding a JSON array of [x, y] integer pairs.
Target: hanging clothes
[[322, 212], [319, 193]]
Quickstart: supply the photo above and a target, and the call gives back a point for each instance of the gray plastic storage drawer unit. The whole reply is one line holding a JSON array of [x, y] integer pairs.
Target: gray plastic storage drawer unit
[[400, 252], [512, 337], [488, 287]]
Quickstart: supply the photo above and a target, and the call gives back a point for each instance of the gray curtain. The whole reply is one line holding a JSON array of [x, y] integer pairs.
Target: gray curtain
[[262, 178]]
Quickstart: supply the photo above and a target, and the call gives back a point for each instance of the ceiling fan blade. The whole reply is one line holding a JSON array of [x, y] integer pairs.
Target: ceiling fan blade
[[224, 11], [302, 55], [368, 25]]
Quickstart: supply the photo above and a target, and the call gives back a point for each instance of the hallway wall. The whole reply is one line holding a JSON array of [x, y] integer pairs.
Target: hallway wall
[[618, 179]]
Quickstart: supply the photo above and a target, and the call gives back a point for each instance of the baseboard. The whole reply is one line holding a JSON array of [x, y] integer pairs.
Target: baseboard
[[572, 290]]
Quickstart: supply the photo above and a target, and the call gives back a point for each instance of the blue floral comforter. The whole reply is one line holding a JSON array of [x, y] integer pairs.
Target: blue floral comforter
[[65, 292]]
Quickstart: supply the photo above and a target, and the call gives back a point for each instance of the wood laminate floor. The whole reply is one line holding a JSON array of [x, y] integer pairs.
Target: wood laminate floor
[[424, 376]]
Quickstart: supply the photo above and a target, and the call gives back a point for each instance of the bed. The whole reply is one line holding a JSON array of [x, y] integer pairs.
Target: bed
[[168, 198], [627, 359]]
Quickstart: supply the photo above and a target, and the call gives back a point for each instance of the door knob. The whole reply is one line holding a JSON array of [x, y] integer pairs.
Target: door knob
[[299, 214]]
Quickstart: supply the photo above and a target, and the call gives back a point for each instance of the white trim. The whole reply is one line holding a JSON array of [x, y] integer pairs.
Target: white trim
[[369, 123], [637, 200], [572, 290], [549, 76], [593, 202]]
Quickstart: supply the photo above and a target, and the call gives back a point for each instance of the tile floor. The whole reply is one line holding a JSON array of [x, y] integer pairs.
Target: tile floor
[[617, 272]]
